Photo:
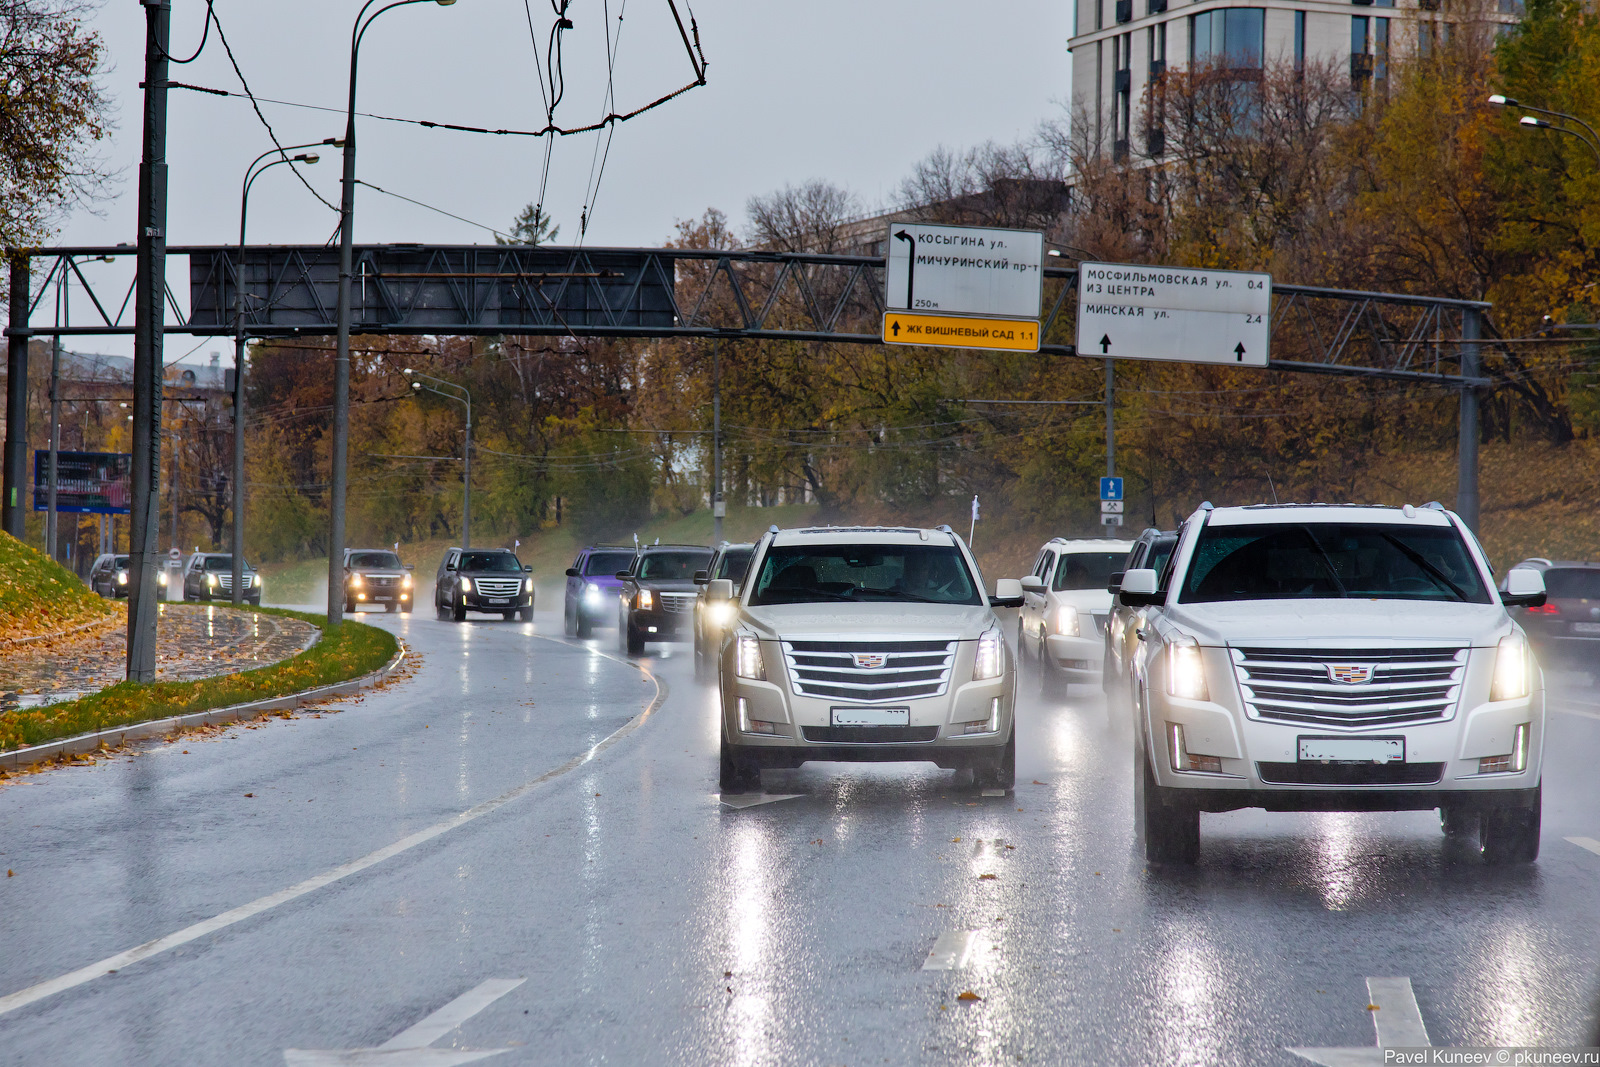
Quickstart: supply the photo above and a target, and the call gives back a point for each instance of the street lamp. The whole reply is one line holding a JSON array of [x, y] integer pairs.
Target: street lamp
[[341, 359], [463, 397], [1592, 141], [251, 173]]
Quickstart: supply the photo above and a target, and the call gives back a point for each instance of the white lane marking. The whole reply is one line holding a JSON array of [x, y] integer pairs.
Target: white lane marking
[[1576, 711], [951, 951], [750, 800], [1586, 842], [452, 1014], [994, 792], [1397, 1020], [409, 1048], [23, 997]]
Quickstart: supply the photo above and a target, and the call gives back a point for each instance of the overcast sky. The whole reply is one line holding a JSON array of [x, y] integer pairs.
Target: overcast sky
[[853, 91]]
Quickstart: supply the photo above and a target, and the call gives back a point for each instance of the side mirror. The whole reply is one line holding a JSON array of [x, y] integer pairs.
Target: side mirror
[[409, 567], [449, 566], [1114, 582], [1031, 584], [1138, 589], [702, 577], [1524, 588], [527, 568], [719, 590], [572, 572], [1007, 594], [624, 575]]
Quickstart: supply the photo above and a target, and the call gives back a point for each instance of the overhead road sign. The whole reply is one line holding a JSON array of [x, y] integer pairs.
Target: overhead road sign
[[964, 270], [1110, 488], [960, 331], [1127, 311]]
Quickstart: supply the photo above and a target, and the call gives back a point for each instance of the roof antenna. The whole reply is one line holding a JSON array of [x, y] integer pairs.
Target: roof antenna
[[1272, 487]]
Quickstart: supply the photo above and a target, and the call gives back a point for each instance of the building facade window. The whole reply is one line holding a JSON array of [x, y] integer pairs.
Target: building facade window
[[1299, 40], [1369, 52], [1231, 37], [1122, 87]]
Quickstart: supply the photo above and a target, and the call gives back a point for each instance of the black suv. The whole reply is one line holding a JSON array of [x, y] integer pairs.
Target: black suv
[[1565, 629], [482, 579], [109, 575], [209, 576], [376, 576], [658, 594], [1151, 551]]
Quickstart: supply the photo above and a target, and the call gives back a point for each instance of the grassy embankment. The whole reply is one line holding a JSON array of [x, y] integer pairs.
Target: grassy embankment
[[39, 596]]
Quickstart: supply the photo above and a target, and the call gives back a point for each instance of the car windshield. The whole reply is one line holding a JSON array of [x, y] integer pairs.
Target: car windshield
[[1087, 570], [1315, 561], [220, 563], [374, 559], [1572, 584], [734, 563], [489, 561], [807, 574], [120, 562], [1160, 552], [669, 566], [607, 563]]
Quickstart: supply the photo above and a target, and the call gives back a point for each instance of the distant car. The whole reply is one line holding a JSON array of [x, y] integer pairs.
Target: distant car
[[1565, 629], [1065, 607], [209, 576], [592, 587], [658, 593], [711, 620], [1151, 551], [374, 576], [490, 580], [109, 575]]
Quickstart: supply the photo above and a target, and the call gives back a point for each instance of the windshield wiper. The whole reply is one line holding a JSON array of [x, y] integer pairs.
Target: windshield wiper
[[1422, 561], [901, 594], [1326, 561], [801, 596]]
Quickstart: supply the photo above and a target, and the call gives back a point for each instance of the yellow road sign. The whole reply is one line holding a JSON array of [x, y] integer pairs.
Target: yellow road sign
[[960, 331]]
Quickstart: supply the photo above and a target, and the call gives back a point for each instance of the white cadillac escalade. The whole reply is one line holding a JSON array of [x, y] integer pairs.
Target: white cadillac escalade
[[1334, 658], [865, 643]]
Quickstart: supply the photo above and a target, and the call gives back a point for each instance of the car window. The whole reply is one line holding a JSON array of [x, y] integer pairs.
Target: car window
[[803, 574], [1087, 570], [121, 562], [607, 563], [667, 566], [489, 561], [1161, 559], [1570, 583], [1295, 561], [1041, 566], [734, 563], [222, 563], [374, 559]]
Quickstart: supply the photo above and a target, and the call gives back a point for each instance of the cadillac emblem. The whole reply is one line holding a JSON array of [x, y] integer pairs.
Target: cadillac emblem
[[870, 661], [1351, 673]]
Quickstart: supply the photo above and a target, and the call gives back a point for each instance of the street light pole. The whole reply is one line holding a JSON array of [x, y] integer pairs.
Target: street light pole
[[251, 173], [462, 396], [341, 358], [1592, 141], [719, 506], [50, 536]]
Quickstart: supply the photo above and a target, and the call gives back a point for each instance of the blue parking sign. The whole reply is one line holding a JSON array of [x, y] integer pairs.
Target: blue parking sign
[[1110, 488]]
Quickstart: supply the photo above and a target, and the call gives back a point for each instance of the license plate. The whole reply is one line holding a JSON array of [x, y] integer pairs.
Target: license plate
[[1586, 627], [871, 717], [499, 600], [1352, 749]]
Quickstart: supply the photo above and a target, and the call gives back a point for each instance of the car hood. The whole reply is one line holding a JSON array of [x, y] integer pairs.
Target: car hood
[[376, 572], [866, 621], [667, 585], [1355, 623], [493, 574], [1097, 601]]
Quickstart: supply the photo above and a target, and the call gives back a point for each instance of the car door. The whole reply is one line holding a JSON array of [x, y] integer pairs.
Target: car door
[[574, 594], [444, 579], [192, 575], [1039, 622]]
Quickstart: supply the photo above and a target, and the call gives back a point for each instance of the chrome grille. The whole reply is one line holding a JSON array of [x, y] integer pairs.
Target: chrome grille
[[1408, 685], [225, 580], [497, 586], [382, 581], [677, 603], [911, 669]]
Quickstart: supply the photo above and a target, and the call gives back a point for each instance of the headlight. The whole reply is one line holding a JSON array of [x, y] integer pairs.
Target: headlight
[[988, 661], [747, 658], [405, 581], [466, 584], [355, 581], [122, 577], [591, 591], [646, 601], [161, 577], [1067, 621], [720, 614], [1512, 671], [527, 587], [1186, 674], [211, 579]]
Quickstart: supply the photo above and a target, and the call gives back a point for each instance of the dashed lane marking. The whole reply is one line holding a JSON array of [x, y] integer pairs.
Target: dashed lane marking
[[951, 951], [34, 993], [1396, 1018], [1586, 842], [409, 1048], [750, 800]]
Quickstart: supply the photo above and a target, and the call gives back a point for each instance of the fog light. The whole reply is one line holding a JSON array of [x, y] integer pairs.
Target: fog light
[[361, 596], [1183, 760], [753, 726], [1513, 762], [652, 629], [405, 596], [989, 725]]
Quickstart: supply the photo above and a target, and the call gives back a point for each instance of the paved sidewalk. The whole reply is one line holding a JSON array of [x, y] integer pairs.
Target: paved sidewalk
[[192, 641]]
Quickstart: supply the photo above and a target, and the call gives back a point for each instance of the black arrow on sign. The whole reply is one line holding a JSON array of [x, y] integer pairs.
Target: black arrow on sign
[[911, 269], [894, 327], [1105, 343], [1238, 353]]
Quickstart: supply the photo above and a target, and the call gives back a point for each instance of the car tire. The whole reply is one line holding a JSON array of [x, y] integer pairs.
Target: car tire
[[349, 607], [582, 627], [1000, 770], [1046, 675], [634, 640], [569, 628], [702, 667], [1170, 828], [439, 611], [458, 611], [1510, 835], [1455, 821], [526, 614], [738, 773]]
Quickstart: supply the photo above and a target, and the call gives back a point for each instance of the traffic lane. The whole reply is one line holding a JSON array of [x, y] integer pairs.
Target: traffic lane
[[110, 855]]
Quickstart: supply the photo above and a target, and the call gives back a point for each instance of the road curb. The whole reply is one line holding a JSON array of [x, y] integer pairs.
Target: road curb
[[20, 758], [14, 642]]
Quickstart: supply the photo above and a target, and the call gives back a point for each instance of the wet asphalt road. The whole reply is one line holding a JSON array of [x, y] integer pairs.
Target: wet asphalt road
[[651, 923]]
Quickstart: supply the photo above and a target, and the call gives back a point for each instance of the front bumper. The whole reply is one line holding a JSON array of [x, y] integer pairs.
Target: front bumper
[[1076, 659], [658, 625], [475, 601]]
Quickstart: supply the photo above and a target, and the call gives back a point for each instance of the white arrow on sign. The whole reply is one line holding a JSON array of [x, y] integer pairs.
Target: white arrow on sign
[[1396, 1018], [409, 1048]]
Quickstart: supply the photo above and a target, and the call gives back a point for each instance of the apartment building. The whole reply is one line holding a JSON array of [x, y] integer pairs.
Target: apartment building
[[1119, 46]]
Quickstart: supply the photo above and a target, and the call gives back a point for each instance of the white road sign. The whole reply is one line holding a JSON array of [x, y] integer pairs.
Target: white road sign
[[1111, 507], [1110, 520], [964, 270], [1194, 316]]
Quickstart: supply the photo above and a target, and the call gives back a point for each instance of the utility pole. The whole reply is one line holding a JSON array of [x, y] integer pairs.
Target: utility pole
[[55, 432], [1467, 443], [719, 506], [148, 315], [16, 456]]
